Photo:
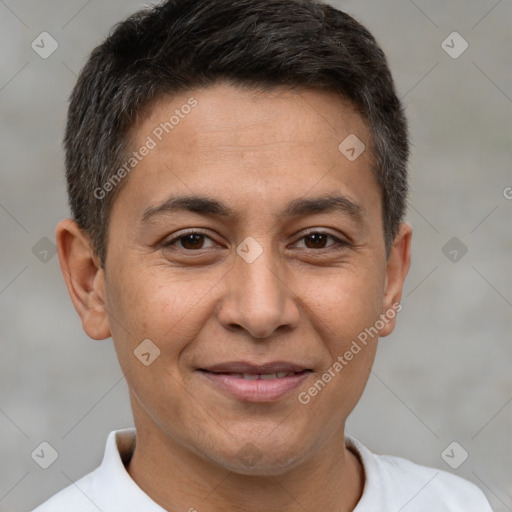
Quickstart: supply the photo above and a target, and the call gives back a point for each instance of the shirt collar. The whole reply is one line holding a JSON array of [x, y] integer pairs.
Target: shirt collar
[[122, 491]]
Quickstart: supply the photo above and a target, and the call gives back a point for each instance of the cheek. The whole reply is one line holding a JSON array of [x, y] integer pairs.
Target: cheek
[[347, 307], [154, 305], [347, 303], [169, 315]]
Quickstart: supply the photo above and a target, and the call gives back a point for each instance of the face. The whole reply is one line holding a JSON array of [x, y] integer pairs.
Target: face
[[253, 290]]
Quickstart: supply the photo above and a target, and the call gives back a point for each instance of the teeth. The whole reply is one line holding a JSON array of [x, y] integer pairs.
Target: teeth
[[248, 376], [265, 376]]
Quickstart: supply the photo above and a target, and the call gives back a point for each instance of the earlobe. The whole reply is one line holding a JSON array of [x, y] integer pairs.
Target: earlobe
[[84, 278], [398, 265]]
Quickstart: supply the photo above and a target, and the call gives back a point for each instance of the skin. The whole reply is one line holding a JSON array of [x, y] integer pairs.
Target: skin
[[296, 302]]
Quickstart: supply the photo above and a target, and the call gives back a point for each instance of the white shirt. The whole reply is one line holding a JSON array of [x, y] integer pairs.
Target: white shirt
[[392, 484]]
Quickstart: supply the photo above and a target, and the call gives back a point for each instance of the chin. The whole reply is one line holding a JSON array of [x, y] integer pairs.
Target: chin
[[260, 459]]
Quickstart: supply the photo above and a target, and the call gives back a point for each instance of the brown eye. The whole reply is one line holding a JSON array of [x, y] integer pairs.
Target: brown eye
[[193, 241], [189, 241], [318, 240]]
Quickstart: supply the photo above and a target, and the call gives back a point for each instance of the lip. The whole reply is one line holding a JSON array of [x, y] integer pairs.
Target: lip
[[227, 378], [246, 367]]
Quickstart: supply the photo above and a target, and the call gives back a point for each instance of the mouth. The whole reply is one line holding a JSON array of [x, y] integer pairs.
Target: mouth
[[256, 383], [259, 376]]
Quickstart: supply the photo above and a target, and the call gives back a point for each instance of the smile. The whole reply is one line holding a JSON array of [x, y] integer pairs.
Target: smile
[[262, 376], [256, 387]]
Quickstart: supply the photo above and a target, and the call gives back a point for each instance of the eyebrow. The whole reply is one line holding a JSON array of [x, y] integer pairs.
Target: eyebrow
[[296, 208]]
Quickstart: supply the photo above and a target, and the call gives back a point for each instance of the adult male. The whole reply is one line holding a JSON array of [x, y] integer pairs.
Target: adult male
[[237, 177]]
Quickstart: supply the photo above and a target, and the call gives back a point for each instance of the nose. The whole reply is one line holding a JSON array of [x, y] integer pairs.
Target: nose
[[259, 298]]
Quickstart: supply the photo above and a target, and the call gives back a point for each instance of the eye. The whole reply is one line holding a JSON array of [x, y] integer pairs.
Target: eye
[[189, 241], [317, 240], [195, 240]]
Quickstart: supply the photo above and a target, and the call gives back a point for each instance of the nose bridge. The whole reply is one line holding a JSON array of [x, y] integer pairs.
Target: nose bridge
[[258, 298], [260, 278]]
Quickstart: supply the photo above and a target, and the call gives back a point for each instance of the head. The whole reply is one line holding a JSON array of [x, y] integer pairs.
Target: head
[[237, 175]]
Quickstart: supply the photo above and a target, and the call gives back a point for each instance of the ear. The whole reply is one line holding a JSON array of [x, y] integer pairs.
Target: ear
[[84, 278], [398, 265]]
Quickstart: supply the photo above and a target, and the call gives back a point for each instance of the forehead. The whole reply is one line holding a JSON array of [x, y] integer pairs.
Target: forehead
[[243, 118], [252, 150]]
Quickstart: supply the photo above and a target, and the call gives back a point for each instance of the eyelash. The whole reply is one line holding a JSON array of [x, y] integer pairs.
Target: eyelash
[[339, 244]]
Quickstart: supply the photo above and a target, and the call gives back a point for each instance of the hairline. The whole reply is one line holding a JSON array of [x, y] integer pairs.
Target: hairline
[[128, 140]]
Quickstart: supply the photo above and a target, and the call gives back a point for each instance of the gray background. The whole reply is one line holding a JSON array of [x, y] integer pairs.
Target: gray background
[[443, 376]]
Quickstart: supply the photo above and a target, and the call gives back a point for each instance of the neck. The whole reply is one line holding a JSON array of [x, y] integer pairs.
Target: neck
[[178, 479]]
